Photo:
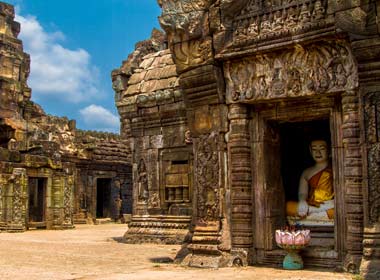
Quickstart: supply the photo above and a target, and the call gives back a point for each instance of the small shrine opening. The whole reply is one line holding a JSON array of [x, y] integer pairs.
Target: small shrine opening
[[37, 201], [6, 134], [103, 198], [296, 138]]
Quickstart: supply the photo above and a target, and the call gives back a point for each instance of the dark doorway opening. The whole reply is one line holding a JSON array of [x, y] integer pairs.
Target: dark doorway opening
[[37, 200], [103, 198], [295, 153], [6, 133]]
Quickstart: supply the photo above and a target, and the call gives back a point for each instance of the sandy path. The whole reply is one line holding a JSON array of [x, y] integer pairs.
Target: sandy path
[[93, 252]]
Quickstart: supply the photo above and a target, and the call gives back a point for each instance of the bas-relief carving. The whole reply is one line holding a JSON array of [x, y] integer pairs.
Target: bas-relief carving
[[262, 20], [154, 200], [372, 128], [142, 181], [207, 177], [308, 70], [67, 199]]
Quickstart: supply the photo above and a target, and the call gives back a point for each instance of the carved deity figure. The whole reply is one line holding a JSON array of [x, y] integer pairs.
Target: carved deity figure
[[142, 181], [291, 20], [305, 15], [240, 31], [322, 81], [340, 75], [253, 29], [294, 81], [316, 191], [265, 25], [277, 21], [319, 11]]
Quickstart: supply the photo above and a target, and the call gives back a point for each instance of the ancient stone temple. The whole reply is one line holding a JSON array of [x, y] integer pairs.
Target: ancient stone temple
[[52, 174], [264, 94], [153, 116]]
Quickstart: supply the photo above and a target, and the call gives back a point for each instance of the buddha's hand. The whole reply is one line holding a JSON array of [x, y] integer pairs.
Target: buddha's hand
[[303, 208]]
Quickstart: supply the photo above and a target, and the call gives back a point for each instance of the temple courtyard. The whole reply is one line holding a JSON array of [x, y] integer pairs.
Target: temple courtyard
[[95, 252]]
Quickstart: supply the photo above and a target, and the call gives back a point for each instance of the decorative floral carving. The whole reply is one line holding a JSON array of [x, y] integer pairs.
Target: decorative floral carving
[[194, 52], [67, 199], [18, 208], [207, 177], [313, 69], [372, 123]]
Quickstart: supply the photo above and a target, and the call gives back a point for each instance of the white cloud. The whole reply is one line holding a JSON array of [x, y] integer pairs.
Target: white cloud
[[100, 118], [56, 71]]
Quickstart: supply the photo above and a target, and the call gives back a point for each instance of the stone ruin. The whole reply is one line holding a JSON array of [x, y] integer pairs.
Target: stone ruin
[[52, 175], [216, 119], [220, 116]]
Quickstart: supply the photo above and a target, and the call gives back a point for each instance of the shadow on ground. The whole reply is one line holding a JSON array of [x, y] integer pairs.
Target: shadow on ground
[[161, 260]]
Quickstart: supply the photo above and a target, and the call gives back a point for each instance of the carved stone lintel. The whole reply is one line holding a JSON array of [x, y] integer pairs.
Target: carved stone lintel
[[303, 71]]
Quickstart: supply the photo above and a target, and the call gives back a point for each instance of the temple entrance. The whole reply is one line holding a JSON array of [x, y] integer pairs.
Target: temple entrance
[[37, 201], [103, 198], [281, 153], [295, 155]]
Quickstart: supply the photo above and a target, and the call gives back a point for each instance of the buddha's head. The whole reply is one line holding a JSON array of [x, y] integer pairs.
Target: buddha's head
[[319, 151]]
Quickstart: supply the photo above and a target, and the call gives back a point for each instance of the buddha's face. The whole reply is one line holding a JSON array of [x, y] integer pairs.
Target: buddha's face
[[319, 151]]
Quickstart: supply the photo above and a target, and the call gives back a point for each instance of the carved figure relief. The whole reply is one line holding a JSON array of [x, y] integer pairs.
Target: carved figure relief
[[188, 137], [309, 70], [142, 182], [207, 176], [154, 200], [277, 18]]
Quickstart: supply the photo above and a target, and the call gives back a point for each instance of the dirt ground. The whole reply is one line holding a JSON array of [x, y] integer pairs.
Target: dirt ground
[[94, 252]]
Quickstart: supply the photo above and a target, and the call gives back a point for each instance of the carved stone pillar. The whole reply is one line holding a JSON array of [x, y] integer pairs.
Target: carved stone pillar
[[367, 53], [208, 123], [371, 243], [57, 187], [353, 180], [68, 202], [19, 184], [240, 177], [208, 175]]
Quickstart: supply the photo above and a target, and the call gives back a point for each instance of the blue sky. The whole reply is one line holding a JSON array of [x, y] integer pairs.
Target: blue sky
[[74, 46]]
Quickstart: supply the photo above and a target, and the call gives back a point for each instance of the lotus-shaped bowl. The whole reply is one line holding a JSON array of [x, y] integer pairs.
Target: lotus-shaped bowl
[[293, 240]]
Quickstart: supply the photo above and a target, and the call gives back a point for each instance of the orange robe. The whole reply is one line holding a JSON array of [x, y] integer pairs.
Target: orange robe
[[321, 187]]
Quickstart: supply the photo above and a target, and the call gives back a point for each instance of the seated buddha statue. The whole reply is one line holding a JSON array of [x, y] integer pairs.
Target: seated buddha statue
[[316, 191]]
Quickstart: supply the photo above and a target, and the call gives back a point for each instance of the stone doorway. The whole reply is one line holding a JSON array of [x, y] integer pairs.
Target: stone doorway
[[103, 198], [37, 202], [280, 154], [295, 138]]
